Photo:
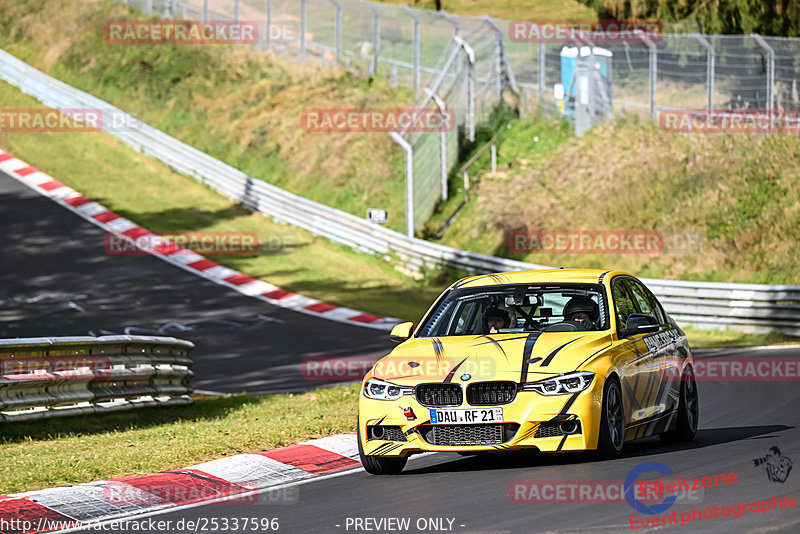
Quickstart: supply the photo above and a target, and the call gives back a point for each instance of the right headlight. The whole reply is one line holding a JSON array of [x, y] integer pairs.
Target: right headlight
[[561, 385], [380, 390]]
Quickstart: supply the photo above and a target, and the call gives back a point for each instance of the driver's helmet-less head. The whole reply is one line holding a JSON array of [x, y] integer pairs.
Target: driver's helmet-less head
[[495, 313], [581, 304]]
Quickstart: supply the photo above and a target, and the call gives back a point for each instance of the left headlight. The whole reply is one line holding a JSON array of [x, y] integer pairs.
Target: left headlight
[[380, 390], [561, 385]]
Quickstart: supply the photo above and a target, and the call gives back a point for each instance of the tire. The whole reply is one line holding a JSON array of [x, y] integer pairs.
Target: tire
[[688, 412], [612, 422], [376, 465]]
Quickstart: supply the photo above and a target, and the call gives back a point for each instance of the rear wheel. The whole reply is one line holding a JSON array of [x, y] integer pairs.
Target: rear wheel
[[688, 412], [612, 422], [378, 465]]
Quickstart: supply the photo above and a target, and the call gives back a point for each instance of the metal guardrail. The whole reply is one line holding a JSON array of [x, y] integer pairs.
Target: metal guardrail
[[746, 307], [51, 377]]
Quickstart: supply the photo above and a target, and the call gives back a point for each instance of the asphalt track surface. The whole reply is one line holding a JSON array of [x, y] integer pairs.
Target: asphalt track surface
[[58, 281], [739, 423]]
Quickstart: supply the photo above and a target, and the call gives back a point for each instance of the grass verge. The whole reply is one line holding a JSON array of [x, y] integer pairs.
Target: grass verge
[[59, 452]]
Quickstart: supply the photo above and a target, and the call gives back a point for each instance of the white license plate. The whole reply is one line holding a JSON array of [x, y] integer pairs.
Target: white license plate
[[460, 416]]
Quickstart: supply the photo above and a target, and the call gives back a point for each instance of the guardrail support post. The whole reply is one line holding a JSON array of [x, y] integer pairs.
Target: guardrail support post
[[770, 70], [409, 181], [205, 9], [710, 61], [237, 10]]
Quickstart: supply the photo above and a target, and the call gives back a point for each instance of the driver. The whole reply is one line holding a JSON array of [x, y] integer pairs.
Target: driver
[[494, 319], [582, 310]]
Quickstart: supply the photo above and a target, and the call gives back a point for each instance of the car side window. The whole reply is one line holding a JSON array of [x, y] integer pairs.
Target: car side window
[[658, 311], [641, 298], [623, 305]]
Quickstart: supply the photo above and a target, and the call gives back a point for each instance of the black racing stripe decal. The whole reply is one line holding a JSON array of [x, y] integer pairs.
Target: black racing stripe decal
[[631, 396], [495, 344], [567, 405], [561, 443], [449, 376], [552, 355], [530, 341], [499, 340], [590, 357], [600, 280], [381, 419], [464, 281], [438, 348], [380, 450]]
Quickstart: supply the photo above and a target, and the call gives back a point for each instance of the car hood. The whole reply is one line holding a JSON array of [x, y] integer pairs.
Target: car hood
[[517, 357]]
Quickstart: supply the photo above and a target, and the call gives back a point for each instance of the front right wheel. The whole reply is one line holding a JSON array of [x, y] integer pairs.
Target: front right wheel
[[688, 412], [377, 465]]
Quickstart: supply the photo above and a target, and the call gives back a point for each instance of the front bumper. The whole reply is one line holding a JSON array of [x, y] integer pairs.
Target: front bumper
[[530, 421]]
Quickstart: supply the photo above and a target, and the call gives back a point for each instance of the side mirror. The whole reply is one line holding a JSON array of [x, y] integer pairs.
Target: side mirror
[[401, 332], [639, 323]]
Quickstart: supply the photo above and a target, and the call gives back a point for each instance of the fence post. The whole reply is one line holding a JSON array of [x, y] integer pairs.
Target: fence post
[[303, 22], [541, 70], [268, 34], [710, 60], [653, 70], [409, 181], [237, 10], [376, 39], [442, 141], [770, 69], [338, 29], [451, 19], [470, 86], [416, 47], [498, 56], [205, 9]]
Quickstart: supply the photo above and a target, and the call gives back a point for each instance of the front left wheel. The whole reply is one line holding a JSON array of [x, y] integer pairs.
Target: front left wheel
[[612, 422], [377, 465]]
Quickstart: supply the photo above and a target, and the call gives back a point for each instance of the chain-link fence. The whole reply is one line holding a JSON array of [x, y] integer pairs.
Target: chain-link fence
[[417, 49]]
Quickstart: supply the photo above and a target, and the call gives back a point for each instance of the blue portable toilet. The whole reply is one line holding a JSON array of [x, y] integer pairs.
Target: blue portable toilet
[[571, 57]]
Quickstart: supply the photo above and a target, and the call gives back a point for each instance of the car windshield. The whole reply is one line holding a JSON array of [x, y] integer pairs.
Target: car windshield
[[518, 308]]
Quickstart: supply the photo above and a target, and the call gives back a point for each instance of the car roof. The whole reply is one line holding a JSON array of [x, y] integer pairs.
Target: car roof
[[539, 276]]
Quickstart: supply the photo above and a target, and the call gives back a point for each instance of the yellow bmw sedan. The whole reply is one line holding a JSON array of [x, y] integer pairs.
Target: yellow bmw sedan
[[553, 360]]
